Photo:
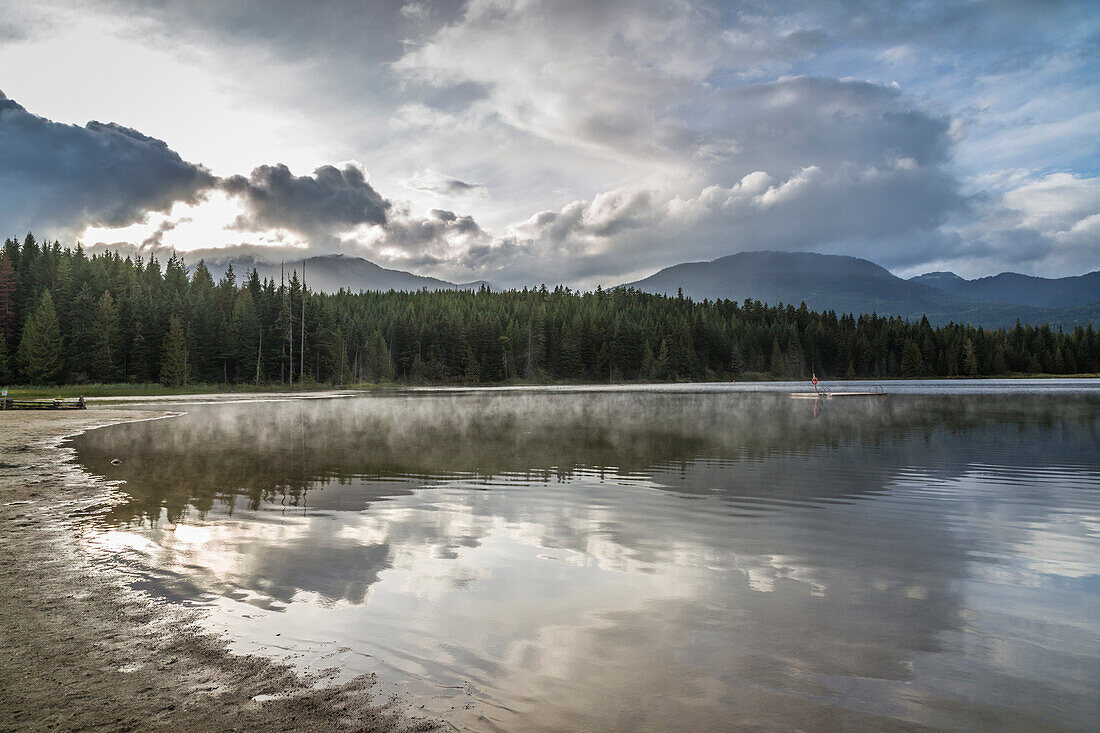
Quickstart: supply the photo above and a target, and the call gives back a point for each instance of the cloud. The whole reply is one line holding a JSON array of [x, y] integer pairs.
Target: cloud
[[849, 209], [852, 166], [632, 81], [443, 185], [156, 239], [573, 72], [812, 164], [11, 32], [1045, 224], [245, 252], [788, 124], [411, 232], [590, 141], [362, 32], [1056, 202], [67, 179], [432, 241], [331, 199], [62, 178], [339, 211]]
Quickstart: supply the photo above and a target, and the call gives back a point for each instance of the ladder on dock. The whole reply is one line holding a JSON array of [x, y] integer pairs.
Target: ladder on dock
[[824, 392]]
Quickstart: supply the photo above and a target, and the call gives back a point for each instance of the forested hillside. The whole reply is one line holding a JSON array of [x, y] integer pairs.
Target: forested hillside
[[67, 317]]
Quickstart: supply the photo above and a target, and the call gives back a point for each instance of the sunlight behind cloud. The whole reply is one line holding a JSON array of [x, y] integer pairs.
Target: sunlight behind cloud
[[506, 113], [90, 67]]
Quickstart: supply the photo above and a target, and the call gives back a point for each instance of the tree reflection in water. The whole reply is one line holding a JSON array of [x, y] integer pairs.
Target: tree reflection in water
[[704, 560]]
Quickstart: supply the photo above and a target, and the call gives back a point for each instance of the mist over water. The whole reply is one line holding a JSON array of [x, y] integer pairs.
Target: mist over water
[[688, 558]]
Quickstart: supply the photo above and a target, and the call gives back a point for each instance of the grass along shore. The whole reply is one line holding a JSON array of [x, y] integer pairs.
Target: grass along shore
[[25, 392]]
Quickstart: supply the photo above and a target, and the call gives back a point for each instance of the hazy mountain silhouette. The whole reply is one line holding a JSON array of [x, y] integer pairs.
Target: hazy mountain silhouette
[[853, 285], [1012, 288], [329, 273], [823, 282]]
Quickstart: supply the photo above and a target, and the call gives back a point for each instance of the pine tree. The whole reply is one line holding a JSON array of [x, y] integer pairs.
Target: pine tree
[[912, 362], [682, 352], [1071, 362], [473, 366], [5, 368], [1059, 362], [737, 360], [82, 328], [28, 268], [649, 362], [928, 348], [570, 363], [777, 362], [204, 327], [796, 360], [663, 360], [173, 364], [112, 318], [603, 362], [104, 342], [244, 336], [40, 349], [379, 366], [328, 348], [9, 291], [970, 359]]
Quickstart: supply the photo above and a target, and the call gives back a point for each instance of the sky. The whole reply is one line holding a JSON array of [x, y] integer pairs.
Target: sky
[[522, 142]]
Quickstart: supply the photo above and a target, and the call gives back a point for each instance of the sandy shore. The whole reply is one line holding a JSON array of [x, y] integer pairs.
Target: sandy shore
[[81, 650]]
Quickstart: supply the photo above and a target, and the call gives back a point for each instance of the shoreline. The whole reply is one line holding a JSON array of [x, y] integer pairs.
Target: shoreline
[[82, 649], [135, 392]]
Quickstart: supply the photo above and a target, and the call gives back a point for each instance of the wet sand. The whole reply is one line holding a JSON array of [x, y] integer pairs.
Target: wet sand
[[80, 649]]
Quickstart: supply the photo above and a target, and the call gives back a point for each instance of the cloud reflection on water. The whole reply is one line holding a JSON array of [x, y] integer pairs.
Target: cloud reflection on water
[[635, 561]]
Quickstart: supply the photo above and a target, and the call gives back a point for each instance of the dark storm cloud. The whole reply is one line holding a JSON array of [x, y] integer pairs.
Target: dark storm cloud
[[329, 199], [58, 179], [65, 177]]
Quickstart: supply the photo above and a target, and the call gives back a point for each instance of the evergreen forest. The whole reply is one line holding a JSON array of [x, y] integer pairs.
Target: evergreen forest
[[66, 317]]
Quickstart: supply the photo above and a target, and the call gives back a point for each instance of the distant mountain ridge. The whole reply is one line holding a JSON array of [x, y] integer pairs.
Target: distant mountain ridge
[[1011, 288], [330, 273], [824, 282], [853, 285]]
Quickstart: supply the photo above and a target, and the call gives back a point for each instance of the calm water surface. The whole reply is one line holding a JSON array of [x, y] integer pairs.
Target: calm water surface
[[694, 558]]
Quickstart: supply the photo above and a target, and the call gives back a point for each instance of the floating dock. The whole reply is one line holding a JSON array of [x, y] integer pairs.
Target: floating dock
[[830, 395], [7, 403], [826, 393]]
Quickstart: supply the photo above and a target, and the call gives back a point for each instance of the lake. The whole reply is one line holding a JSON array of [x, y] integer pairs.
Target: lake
[[692, 557]]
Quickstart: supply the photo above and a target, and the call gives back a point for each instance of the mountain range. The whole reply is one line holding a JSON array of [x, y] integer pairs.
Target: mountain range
[[1012, 288], [329, 273], [853, 285], [824, 282]]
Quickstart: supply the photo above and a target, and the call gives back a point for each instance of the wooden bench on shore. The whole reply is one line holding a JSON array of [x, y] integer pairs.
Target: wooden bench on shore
[[7, 403]]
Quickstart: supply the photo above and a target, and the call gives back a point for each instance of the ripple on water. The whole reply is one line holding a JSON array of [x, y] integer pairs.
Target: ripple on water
[[705, 558]]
